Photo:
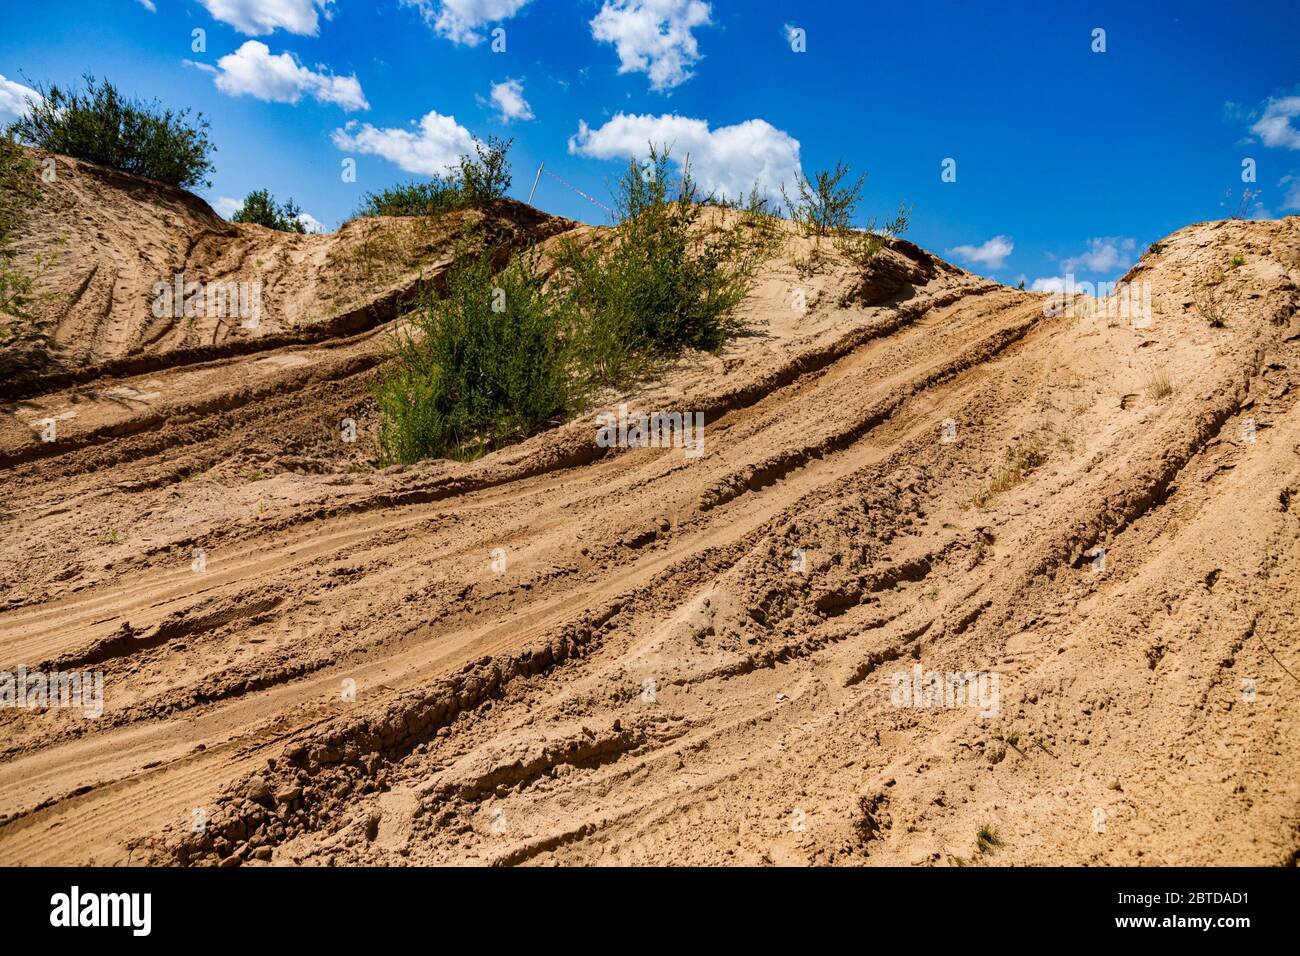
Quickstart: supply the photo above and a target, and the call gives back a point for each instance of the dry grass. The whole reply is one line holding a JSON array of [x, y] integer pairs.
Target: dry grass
[[1159, 385], [1021, 460]]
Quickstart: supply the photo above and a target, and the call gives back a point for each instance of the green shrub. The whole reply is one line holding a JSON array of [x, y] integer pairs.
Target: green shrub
[[822, 207], [17, 192], [481, 367], [440, 194], [482, 178], [261, 209], [860, 246], [99, 125], [660, 284], [469, 377], [485, 177]]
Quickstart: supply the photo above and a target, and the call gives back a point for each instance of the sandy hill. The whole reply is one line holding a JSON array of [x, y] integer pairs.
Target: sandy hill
[[563, 653]]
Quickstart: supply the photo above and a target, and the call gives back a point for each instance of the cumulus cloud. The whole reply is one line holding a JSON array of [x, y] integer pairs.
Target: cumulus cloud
[[252, 70], [13, 99], [310, 222], [459, 20], [990, 255], [508, 99], [433, 147], [1104, 254], [1049, 284], [653, 37], [1274, 126], [258, 17], [729, 160]]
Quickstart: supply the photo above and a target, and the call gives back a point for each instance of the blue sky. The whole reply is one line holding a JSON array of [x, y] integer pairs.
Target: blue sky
[[1066, 159]]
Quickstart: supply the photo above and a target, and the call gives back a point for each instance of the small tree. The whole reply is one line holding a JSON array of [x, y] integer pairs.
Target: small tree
[[261, 209], [486, 178], [822, 206], [99, 125]]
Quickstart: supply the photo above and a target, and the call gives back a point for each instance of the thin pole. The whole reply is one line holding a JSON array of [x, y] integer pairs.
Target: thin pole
[[535, 181]]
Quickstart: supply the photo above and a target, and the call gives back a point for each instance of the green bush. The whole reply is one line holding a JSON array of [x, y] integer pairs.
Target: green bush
[[261, 209], [481, 367], [440, 194], [470, 377], [99, 125], [484, 178], [661, 284], [860, 246], [17, 191], [822, 207]]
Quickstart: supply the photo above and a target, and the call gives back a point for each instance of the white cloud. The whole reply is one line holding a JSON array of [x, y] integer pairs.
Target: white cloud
[[653, 37], [1104, 254], [310, 222], [728, 160], [282, 79], [13, 98], [148, 5], [1274, 126], [1050, 284], [433, 148], [258, 17], [508, 98], [227, 207], [459, 20], [991, 254]]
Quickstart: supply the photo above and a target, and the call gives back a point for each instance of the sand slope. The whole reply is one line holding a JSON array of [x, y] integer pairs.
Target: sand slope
[[568, 654]]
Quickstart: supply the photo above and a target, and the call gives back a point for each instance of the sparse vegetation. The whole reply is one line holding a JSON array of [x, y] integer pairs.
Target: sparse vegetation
[[17, 191], [485, 177], [260, 208], [1159, 385], [440, 194], [1205, 297], [825, 205], [483, 366], [503, 354], [861, 246], [661, 284], [482, 178], [96, 123], [986, 838], [1022, 458], [1236, 262], [821, 206], [1156, 248]]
